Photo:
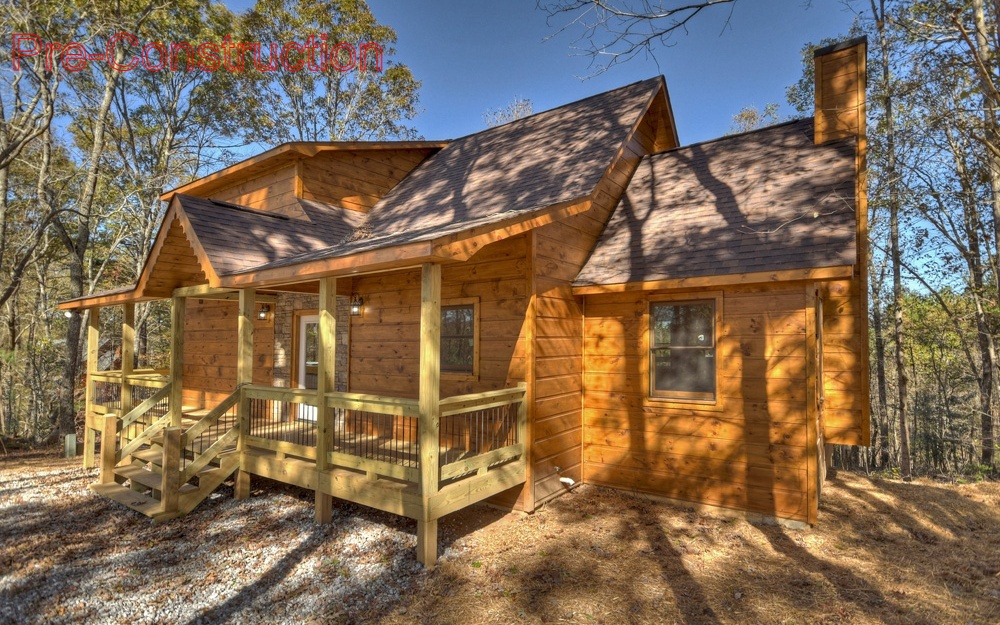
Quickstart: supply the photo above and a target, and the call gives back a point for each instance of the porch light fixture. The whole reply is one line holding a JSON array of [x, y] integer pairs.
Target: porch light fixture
[[263, 312], [357, 304]]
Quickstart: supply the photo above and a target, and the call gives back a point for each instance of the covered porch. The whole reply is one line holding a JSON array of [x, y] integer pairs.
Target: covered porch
[[421, 457]]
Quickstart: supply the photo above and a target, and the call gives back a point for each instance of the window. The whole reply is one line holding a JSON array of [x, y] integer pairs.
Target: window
[[459, 349], [682, 349]]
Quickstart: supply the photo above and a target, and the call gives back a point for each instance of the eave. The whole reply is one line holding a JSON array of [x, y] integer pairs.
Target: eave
[[735, 279]]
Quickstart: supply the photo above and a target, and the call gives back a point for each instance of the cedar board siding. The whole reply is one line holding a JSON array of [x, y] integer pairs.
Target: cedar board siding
[[561, 250], [352, 180], [210, 340], [750, 455], [384, 346], [845, 345], [273, 192], [175, 265], [356, 180]]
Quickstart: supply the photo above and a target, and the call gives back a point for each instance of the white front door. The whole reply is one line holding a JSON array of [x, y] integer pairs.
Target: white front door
[[308, 360]]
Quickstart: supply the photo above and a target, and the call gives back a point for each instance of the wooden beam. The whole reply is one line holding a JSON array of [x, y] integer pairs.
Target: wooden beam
[[128, 354], [205, 291], [171, 466], [383, 259], [109, 440], [759, 277], [325, 383], [93, 344], [813, 443], [177, 314], [244, 375], [430, 406]]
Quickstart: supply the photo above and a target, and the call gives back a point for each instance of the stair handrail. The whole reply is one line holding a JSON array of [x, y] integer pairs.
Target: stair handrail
[[144, 437], [134, 414], [221, 444], [210, 419]]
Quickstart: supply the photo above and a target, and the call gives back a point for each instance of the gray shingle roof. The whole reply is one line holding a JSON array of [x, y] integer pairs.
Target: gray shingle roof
[[237, 238], [510, 170], [766, 200]]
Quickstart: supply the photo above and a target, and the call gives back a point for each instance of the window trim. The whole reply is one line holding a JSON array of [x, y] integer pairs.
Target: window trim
[[680, 399], [465, 375]]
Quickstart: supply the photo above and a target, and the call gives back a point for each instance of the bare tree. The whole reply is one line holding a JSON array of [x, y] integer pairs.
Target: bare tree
[[518, 108], [615, 31]]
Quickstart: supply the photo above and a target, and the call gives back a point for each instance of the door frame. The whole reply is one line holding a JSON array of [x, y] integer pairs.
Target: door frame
[[293, 371]]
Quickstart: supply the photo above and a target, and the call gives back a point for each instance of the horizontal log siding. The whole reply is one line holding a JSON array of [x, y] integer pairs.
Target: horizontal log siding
[[561, 250], [273, 192], [210, 339], [747, 453], [384, 344], [356, 180], [844, 345]]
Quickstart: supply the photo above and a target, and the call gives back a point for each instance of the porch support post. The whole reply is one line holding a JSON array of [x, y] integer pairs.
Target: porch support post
[[325, 383], [90, 423], [430, 409], [128, 354], [244, 375], [177, 306]]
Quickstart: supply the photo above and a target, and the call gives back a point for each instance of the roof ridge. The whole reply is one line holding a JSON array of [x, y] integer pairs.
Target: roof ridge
[[561, 106], [738, 135]]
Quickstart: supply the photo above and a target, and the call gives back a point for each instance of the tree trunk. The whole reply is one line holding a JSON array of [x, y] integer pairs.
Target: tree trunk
[[892, 175], [992, 130]]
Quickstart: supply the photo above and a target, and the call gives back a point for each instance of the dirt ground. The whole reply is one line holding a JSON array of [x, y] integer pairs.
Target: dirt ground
[[883, 552]]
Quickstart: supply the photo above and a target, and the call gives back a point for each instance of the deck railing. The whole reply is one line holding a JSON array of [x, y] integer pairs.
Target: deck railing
[[375, 435], [481, 431]]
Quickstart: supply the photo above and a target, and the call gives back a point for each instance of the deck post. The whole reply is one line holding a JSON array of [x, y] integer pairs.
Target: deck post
[[109, 448], [170, 478], [93, 343], [430, 409], [325, 383], [177, 310], [244, 375], [128, 354]]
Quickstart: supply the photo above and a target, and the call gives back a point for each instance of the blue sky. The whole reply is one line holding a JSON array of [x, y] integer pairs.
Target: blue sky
[[473, 55]]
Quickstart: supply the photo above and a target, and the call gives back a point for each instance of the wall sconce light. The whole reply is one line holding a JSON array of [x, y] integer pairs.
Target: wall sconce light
[[263, 312], [357, 305]]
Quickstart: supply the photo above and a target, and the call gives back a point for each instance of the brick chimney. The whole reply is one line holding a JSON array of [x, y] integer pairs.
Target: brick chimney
[[840, 90]]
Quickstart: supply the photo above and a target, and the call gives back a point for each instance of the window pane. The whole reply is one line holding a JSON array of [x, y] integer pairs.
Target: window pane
[[684, 325], [682, 350], [458, 338], [457, 354], [684, 370]]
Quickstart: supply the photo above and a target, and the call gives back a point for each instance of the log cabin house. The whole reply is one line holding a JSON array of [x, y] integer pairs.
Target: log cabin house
[[418, 326]]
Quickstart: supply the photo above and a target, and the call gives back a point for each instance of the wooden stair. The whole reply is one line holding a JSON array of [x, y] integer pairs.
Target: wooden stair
[[138, 477]]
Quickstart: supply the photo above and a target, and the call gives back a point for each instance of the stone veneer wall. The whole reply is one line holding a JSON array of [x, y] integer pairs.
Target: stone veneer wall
[[287, 304]]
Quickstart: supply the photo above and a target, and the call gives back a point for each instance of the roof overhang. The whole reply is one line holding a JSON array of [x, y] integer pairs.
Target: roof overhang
[[456, 247], [734, 279]]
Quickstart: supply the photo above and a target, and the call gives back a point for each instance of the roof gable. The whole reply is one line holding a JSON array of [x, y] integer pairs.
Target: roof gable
[[551, 157], [767, 200]]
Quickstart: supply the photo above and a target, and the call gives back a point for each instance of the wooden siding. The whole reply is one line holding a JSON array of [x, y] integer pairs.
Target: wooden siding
[[840, 93], [845, 363], [356, 180], [384, 344], [748, 451], [210, 341], [560, 251], [273, 191], [175, 265]]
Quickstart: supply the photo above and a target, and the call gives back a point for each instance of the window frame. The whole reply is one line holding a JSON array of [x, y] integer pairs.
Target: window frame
[[456, 303], [684, 399]]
